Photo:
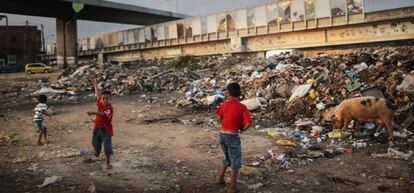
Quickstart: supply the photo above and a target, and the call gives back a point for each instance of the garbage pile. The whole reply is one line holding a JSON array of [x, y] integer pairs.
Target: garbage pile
[[295, 92], [281, 88], [305, 141], [289, 87], [17, 91], [128, 78]]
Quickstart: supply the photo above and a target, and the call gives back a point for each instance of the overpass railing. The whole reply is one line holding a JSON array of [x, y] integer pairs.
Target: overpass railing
[[282, 16]]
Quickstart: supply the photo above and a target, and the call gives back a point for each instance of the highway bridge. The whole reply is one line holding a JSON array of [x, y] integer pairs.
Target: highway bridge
[[285, 24], [92, 10]]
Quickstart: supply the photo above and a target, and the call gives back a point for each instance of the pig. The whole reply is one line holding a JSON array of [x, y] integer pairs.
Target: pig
[[362, 109]]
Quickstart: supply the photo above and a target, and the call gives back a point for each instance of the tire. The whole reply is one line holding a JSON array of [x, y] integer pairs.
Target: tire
[[29, 72], [47, 71]]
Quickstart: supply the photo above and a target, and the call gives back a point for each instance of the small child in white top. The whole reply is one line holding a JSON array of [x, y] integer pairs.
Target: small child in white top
[[39, 118]]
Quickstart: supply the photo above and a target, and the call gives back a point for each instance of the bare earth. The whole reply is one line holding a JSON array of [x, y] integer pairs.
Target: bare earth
[[158, 150]]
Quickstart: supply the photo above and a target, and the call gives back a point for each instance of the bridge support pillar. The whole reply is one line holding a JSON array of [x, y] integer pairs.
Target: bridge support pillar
[[66, 42], [101, 58]]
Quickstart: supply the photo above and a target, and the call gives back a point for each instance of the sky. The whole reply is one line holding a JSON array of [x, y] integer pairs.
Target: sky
[[188, 7]]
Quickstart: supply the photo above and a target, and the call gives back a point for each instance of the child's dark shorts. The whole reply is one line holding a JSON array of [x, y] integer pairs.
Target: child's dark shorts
[[101, 136], [231, 146], [40, 124]]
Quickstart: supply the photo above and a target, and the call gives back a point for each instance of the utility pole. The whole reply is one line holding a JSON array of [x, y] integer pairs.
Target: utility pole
[[24, 35], [65, 64], [43, 39]]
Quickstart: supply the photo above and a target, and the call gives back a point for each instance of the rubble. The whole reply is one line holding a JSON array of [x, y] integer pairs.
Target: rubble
[[20, 160], [49, 180], [59, 152], [288, 87], [295, 86], [92, 188], [256, 103], [337, 133], [47, 90], [5, 138], [285, 142], [133, 77], [8, 139], [394, 154]]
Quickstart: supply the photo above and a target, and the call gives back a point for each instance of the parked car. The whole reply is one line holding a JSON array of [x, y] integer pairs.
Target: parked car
[[37, 67]]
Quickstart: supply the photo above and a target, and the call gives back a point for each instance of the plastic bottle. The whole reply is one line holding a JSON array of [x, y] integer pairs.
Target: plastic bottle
[[359, 144], [382, 135]]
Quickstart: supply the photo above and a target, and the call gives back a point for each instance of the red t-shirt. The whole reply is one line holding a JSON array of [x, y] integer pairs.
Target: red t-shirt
[[104, 121], [233, 115]]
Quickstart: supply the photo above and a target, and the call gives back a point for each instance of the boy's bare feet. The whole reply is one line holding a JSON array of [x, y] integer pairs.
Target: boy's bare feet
[[108, 162], [39, 143], [47, 141], [220, 177], [219, 181], [233, 191]]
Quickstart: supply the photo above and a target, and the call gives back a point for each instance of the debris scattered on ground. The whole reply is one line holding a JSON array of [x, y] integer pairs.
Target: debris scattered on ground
[[206, 144], [48, 90], [20, 160], [5, 138], [92, 188], [255, 186], [50, 180], [59, 152], [8, 139], [33, 167], [394, 154]]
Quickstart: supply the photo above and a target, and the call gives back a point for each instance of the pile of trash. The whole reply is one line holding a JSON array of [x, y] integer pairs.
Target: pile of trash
[[128, 78], [304, 141], [288, 87], [16, 91], [295, 91], [281, 88]]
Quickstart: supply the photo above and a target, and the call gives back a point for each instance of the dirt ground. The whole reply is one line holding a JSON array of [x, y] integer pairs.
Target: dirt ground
[[159, 149]]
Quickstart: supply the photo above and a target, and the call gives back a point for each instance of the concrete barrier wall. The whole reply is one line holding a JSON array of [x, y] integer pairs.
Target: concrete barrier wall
[[283, 11]]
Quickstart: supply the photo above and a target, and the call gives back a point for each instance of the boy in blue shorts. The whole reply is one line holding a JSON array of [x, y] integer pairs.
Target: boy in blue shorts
[[103, 130], [235, 118]]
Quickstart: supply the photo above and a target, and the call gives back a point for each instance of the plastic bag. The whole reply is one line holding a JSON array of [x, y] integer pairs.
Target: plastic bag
[[407, 84], [253, 104]]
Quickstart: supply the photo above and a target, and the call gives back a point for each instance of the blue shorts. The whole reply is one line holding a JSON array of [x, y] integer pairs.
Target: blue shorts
[[40, 124], [101, 136], [231, 146]]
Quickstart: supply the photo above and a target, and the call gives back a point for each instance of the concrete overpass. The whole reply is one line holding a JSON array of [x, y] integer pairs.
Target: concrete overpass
[[360, 28], [94, 10]]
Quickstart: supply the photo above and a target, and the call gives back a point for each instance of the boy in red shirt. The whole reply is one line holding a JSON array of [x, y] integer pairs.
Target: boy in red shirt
[[103, 131], [235, 118]]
